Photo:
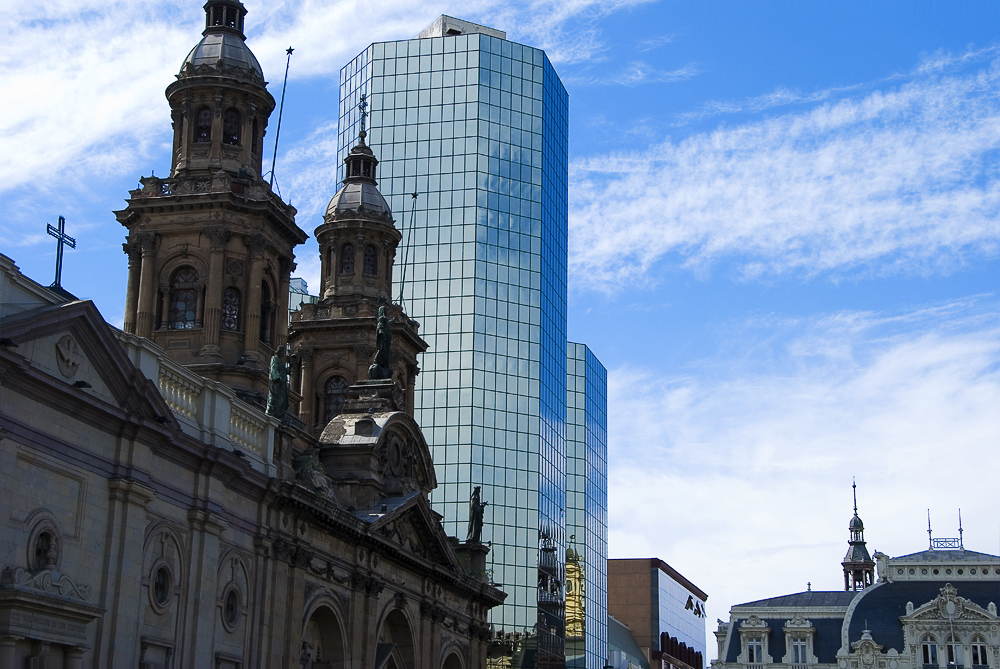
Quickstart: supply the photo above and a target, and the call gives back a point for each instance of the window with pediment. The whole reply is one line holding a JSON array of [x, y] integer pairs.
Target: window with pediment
[[754, 634]]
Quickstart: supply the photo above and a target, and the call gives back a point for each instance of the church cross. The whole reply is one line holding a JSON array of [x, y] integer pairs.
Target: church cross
[[63, 239], [363, 108]]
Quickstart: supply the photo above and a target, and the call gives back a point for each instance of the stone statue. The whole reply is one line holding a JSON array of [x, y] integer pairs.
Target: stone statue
[[383, 343], [277, 396], [310, 473], [476, 508]]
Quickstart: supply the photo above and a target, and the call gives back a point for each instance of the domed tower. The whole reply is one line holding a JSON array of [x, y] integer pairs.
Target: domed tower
[[210, 247], [335, 339], [859, 568]]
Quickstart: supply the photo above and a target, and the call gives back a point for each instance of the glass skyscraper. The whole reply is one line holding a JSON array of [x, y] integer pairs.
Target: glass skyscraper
[[586, 507], [476, 126]]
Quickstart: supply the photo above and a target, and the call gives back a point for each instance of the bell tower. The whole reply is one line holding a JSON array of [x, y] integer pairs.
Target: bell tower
[[859, 568], [335, 339], [210, 248]]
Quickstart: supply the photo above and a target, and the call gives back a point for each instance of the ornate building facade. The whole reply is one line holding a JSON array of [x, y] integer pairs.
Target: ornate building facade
[[155, 515], [935, 609]]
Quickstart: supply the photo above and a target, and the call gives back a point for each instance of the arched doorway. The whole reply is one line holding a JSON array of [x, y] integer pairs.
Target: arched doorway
[[395, 643], [322, 641], [453, 661]]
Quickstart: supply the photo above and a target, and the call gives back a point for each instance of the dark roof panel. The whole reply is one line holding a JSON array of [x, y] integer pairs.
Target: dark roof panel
[[809, 598]]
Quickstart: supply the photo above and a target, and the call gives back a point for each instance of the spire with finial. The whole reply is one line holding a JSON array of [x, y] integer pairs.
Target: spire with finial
[[859, 568]]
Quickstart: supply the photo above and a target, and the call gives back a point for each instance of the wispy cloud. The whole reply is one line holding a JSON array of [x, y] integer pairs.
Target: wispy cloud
[[903, 180], [654, 42], [635, 73], [748, 456]]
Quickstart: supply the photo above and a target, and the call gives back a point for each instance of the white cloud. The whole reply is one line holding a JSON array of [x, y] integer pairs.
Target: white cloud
[[635, 73], [81, 83], [900, 180], [738, 473]]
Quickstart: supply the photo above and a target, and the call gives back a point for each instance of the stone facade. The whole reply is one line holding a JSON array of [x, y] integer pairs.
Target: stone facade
[[154, 519], [154, 515], [210, 249]]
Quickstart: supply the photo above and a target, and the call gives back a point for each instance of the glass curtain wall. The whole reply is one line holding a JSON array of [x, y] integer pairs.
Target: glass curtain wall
[[587, 498], [477, 127]]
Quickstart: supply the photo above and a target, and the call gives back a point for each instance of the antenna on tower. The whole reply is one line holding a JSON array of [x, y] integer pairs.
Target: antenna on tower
[[406, 248], [281, 108], [961, 544], [930, 537], [854, 485]]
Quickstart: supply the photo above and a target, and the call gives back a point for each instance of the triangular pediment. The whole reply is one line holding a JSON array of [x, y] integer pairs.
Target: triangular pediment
[[69, 347], [412, 526]]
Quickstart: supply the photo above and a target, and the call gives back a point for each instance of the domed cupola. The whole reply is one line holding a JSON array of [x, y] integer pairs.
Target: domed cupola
[[359, 196], [357, 240], [859, 568], [219, 103]]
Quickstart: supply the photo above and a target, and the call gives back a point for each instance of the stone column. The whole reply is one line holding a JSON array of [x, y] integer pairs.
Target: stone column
[[73, 657], [134, 251], [7, 654], [308, 406], [205, 546], [199, 306], [280, 336], [164, 319], [146, 308], [218, 236], [255, 247]]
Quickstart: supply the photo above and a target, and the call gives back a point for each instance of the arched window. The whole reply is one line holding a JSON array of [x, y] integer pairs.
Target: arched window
[[46, 551], [231, 125], [371, 260], [203, 125], [182, 299], [336, 388], [231, 309], [954, 651], [977, 652], [928, 647], [347, 258]]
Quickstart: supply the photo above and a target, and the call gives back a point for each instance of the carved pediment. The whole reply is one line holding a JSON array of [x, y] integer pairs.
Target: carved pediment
[[754, 623], [866, 654], [950, 606]]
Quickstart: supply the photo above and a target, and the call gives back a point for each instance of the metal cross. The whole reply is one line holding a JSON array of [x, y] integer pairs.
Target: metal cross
[[363, 108], [60, 234]]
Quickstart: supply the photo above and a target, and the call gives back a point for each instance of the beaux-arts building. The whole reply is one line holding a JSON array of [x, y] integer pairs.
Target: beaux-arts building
[[154, 514], [935, 609]]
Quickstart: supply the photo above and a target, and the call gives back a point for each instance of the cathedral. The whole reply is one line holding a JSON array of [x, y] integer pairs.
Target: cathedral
[[215, 484]]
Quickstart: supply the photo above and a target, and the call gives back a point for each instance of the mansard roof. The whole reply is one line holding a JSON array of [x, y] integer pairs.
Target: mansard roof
[[881, 606], [947, 556], [808, 598]]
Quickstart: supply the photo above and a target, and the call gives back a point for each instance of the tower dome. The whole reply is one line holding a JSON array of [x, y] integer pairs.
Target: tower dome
[[359, 196], [223, 48], [856, 524]]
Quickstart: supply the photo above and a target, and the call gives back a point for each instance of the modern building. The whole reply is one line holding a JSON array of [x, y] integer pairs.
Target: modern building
[[476, 126], [586, 509], [664, 610], [934, 609]]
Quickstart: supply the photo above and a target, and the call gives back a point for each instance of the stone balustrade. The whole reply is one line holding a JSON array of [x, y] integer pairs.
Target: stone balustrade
[[206, 409]]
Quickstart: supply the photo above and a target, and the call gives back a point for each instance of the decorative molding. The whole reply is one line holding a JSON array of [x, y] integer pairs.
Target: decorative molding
[[48, 581]]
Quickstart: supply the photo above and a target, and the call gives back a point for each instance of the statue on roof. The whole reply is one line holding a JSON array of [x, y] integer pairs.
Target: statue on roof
[[476, 508], [383, 343], [277, 396]]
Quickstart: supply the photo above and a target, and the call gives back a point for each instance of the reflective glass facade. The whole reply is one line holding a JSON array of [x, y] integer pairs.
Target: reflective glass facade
[[587, 499], [477, 127]]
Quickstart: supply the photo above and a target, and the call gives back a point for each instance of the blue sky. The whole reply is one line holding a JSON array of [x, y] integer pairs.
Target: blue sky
[[784, 240]]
